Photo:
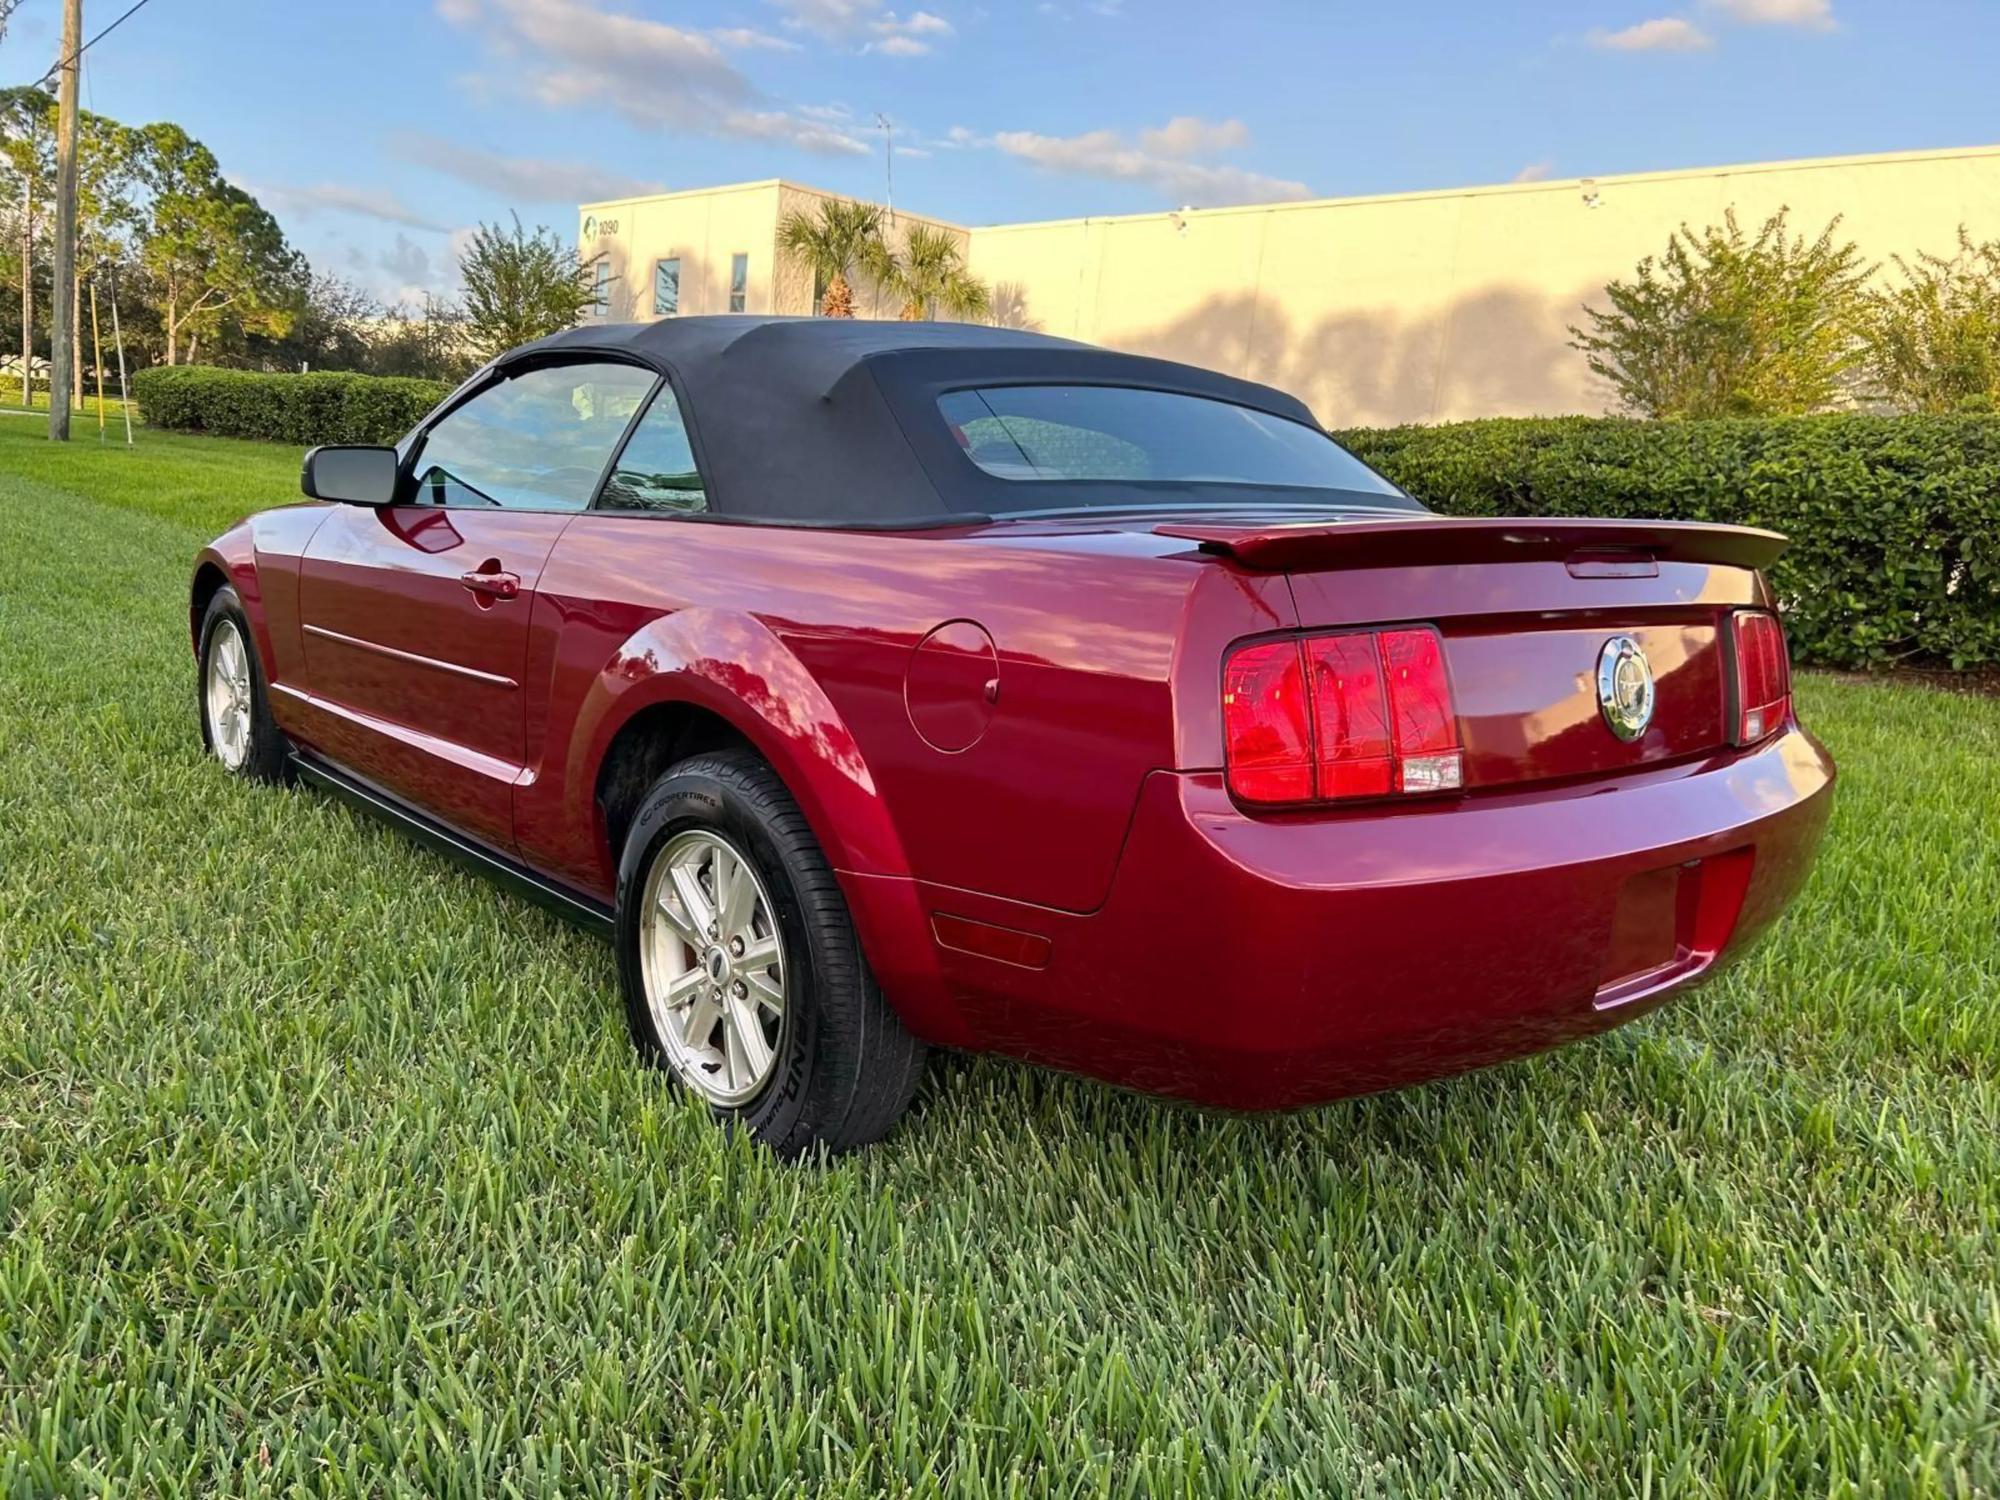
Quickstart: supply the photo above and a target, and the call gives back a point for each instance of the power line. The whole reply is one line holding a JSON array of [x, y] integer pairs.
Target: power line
[[64, 62]]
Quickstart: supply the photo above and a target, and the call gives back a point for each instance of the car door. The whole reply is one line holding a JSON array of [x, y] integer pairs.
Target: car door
[[414, 616]]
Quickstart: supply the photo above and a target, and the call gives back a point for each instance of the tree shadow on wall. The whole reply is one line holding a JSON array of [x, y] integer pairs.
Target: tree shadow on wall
[[1501, 352], [1010, 308]]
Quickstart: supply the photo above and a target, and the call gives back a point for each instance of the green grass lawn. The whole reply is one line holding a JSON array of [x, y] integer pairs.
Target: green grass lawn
[[326, 1168]]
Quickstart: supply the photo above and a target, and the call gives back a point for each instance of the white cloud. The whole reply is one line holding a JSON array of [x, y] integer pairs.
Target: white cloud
[[836, 20], [1536, 171], [749, 38], [519, 179], [1164, 159], [1666, 34], [1810, 15], [657, 76], [334, 197], [866, 24], [1188, 135]]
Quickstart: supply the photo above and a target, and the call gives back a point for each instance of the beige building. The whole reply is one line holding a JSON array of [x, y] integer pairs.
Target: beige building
[[1414, 307]]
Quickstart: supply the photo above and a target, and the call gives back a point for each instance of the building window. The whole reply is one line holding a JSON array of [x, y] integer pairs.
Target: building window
[[667, 287], [600, 287], [739, 282]]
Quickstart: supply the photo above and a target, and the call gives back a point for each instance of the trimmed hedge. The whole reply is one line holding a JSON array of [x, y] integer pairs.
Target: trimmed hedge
[[1894, 521], [303, 409]]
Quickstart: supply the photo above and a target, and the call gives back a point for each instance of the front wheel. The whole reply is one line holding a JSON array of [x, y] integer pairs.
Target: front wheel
[[236, 723], [741, 971]]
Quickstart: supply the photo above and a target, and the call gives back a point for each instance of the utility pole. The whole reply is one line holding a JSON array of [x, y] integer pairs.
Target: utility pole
[[62, 334], [889, 160]]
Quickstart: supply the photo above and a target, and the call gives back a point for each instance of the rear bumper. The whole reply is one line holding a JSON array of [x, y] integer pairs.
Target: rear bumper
[[1257, 962]]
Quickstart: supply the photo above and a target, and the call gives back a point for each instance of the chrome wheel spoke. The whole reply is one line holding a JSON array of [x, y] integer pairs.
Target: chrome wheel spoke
[[694, 900], [749, 1051], [736, 893], [766, 991], [698, 1024], [683, 988], [684, 926], [760, 954]]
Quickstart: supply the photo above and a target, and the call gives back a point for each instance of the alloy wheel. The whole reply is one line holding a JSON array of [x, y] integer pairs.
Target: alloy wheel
[[714, 966], [226, 695]]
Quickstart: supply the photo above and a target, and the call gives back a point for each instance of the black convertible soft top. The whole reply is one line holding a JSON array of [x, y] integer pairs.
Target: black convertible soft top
[[834, 421]]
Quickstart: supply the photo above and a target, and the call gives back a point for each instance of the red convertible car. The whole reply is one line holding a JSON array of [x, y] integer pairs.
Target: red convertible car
[[877, 685]]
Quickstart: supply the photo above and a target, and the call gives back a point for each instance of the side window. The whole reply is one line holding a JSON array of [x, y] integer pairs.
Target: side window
[[667, 287], [600, 287], [656, 471], [535, 442], [739, 282]]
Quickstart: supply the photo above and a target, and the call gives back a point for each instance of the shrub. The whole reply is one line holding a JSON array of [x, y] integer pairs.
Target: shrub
[[1894, 520], [303, 409], [1934, 342], [1727, 324]]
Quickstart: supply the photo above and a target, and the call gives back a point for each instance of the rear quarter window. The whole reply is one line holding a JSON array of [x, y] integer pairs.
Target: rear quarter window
[[1079, 434]]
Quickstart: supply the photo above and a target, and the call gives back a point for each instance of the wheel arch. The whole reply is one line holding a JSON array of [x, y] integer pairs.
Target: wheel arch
[[703, 679], [209, 580]]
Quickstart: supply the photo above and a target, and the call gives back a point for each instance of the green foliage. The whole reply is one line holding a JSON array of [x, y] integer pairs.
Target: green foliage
[[928, 276], [326, 1168], [1722, 324], [1933, 343], [520, 287], [213, 252], [834, 242], [301, 409], [1894, 521]]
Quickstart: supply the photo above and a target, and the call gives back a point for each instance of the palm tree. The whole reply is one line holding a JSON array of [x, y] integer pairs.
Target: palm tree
[[929, 277], [833, 242]]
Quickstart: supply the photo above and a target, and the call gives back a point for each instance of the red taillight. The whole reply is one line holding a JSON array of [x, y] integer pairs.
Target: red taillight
[[1359, 714], [1266, 724], [1763, 676]]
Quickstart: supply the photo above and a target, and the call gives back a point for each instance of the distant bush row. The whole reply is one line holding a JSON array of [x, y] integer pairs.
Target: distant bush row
[[1894, 520], [303, 409]]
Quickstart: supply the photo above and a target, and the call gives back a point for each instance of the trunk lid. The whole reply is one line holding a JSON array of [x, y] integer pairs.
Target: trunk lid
[[1527, 609]]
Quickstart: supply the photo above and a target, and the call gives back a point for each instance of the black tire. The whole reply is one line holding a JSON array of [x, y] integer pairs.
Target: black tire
[[845, 1068], [266, 757]]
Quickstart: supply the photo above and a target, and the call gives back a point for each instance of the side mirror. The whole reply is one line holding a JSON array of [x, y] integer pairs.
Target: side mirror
[[351, 475]]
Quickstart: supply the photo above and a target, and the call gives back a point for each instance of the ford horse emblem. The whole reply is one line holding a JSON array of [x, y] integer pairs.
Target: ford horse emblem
[[1625, 687]]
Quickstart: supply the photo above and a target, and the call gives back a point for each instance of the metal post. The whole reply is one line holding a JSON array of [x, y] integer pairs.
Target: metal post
[[96, 359], [118, 340], [28, 280]]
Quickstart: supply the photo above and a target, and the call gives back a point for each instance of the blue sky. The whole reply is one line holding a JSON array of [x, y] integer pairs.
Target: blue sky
[[376, 129]]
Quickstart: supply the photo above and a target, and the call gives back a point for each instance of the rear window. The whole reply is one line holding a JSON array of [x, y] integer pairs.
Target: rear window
[[1122, 434]]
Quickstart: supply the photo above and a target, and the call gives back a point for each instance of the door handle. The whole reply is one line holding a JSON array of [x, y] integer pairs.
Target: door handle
[[493, 584]]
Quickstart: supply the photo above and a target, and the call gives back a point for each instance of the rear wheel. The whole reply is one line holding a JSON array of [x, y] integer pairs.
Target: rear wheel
[[236, 723], [740, 967]]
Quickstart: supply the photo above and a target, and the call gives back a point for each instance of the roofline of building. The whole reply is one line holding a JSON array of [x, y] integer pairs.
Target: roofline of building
[[762, 184], [1551, 185]]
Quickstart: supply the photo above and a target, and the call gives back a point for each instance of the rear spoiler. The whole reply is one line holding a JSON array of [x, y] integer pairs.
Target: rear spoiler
[[1609, 546]]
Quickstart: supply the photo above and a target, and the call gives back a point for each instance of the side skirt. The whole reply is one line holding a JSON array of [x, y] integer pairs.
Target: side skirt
[[573, 906]]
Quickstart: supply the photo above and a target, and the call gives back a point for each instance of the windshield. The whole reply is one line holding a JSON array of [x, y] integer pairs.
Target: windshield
[[1126, 435]]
